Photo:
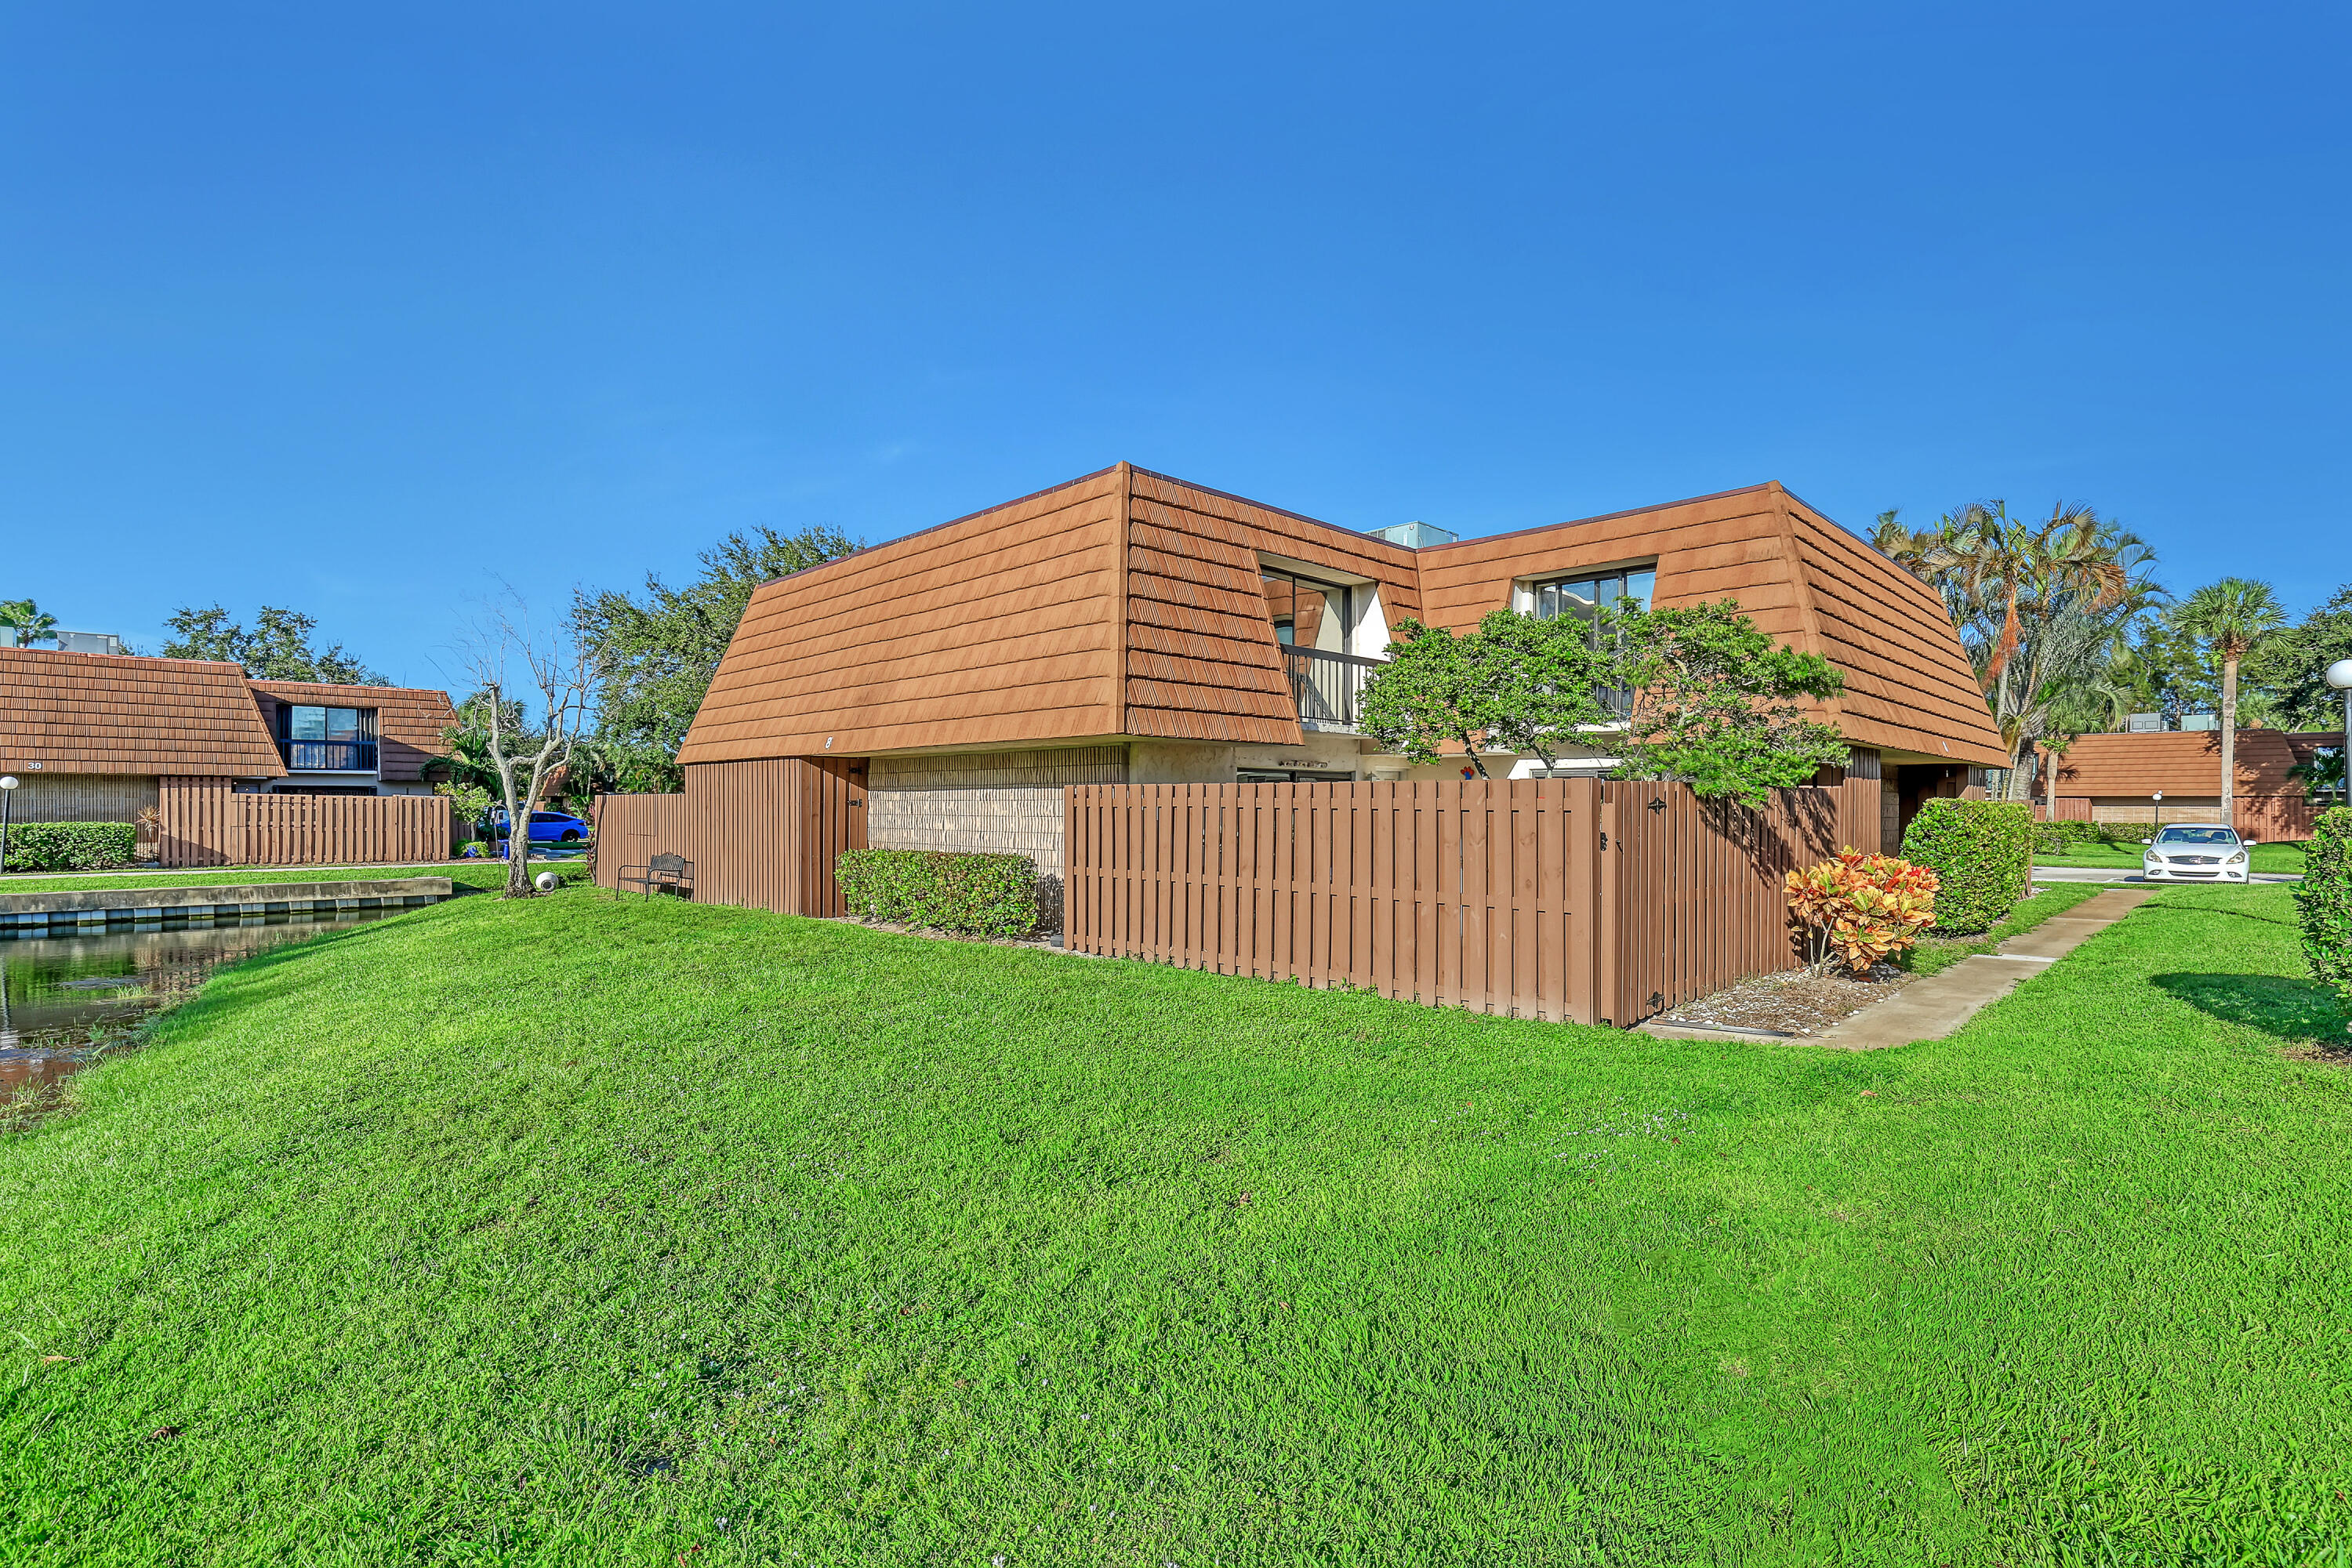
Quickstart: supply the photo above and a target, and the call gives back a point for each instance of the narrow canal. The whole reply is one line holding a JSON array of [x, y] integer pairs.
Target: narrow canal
[[64, 1000]]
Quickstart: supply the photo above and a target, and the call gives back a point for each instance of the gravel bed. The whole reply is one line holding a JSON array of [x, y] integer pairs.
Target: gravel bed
[[1797, 1005]]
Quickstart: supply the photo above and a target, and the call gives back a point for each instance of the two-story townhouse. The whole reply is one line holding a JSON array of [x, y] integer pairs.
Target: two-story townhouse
[[940, 691], [90, 737]]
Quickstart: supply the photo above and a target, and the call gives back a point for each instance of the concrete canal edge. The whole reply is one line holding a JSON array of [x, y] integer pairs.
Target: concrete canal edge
[[32, 913]]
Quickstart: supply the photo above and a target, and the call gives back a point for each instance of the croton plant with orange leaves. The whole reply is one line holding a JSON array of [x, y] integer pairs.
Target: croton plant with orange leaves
[[1862, 908]]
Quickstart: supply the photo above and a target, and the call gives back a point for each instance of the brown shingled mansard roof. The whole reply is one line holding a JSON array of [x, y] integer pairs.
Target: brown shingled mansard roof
[[121, 713], [125, 713]]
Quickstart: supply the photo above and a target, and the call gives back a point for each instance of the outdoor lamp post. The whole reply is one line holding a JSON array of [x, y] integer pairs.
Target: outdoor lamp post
[[2339, 676], [8, 800]]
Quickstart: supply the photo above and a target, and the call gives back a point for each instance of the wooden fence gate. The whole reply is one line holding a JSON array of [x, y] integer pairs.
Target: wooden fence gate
[[1572, 900]]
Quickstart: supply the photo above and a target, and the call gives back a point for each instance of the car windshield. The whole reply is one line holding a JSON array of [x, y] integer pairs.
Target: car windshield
[[2196, 835]]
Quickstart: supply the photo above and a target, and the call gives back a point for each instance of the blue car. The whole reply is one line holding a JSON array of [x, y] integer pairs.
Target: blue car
[[546, 827]]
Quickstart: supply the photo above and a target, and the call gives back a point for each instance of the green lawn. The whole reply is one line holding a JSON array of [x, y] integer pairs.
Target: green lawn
[[2282, 857], [577, 1230], [471, 873]]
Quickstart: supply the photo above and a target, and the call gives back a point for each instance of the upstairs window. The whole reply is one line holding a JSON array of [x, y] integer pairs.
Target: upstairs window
[[1308, 613], [306, 723], [1577, 596]]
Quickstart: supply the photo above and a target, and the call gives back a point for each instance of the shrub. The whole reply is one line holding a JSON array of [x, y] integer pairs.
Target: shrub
[[980, 895], [1862, 908], [2060, 837], [2324, 901], [1981, 852], [70, 846]]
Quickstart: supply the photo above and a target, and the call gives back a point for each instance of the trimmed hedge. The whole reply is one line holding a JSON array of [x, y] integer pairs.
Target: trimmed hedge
[[2059, 837], [70, 846], [1983, 854], [2324, 901], [978, 895]]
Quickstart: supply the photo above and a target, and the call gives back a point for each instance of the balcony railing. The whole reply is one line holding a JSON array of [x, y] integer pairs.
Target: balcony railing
[[1327, 687], [328, 756]]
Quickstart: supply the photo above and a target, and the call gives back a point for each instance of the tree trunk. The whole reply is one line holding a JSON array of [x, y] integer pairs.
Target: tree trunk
[[519, 843], [2050, 787], [2228, 743]]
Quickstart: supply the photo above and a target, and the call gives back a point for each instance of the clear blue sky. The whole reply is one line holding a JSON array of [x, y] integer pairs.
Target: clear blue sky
[[347, 308]]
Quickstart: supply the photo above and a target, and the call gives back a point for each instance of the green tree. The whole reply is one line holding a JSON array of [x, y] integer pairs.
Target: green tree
[[2232, 619], [1718, 705], [28, 620], [1696, 694], [658, 652], [277, 646], [2294, 666], [1436, 688], [2039, 607]]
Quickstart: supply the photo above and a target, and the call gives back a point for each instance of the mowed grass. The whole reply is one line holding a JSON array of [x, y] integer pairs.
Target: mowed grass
[[2284, 859], [573, 1230]]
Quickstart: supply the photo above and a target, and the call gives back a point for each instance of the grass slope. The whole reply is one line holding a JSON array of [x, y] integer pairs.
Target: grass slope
[[572, 1230]]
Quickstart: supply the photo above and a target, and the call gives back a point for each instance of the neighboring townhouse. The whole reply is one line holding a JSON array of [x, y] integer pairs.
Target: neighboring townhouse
[[940, 691], [2120, 778], [91, 736]]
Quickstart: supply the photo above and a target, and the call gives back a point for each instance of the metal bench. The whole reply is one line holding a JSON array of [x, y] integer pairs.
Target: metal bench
[[663, 873]]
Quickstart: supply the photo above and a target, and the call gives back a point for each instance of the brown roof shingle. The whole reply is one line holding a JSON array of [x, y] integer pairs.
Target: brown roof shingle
[[118, 713]]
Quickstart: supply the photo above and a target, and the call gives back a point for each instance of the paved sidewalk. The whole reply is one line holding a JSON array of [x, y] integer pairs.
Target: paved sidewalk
[[1932, 1007]]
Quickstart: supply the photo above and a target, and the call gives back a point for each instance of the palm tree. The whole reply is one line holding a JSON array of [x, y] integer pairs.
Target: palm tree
[[2232, 617], [32, 624], [2038, 606]]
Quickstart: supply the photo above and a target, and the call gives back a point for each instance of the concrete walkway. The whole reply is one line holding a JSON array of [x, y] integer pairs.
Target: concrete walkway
[[1932, 1007]]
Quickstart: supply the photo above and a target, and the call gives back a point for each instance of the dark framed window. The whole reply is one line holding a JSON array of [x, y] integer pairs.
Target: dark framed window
[[1308, 613], [304, 722], [1581, 593]]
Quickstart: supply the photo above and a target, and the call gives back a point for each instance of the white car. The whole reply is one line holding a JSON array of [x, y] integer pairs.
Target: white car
[[2195, 852]]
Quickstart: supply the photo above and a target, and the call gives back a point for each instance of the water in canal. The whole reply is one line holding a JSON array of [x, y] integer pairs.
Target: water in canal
[[64, 999]]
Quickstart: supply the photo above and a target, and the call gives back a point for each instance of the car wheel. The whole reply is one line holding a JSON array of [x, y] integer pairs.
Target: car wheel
[[571, 835]]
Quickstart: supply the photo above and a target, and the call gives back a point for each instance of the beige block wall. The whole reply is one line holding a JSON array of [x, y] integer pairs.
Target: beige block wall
[[994, 803], [80, 797], [2142, 808]]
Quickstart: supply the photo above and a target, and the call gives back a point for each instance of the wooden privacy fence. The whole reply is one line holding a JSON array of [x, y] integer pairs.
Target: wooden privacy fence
[[763, 833], [1572, 900], [202, 822]]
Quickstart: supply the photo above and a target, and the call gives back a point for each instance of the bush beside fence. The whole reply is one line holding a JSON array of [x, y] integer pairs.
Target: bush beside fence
[[2060, 838], [1983, 854], [975, 895], [2324, 903], [70, 846]]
